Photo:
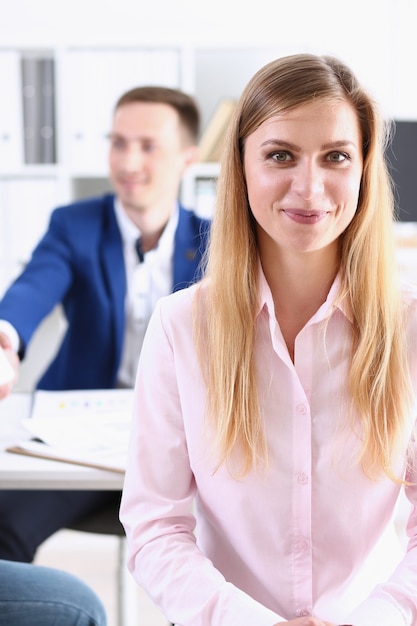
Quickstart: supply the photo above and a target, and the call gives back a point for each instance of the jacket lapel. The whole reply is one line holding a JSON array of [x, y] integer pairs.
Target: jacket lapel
[[187, 249], [114, 270]]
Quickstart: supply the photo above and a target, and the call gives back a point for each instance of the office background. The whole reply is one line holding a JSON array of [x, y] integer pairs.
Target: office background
[[210, 49], [377, 39], [207, 48], [218, 45]]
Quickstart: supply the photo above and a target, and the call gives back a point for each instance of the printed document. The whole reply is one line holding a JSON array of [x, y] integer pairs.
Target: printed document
[[87, 427]]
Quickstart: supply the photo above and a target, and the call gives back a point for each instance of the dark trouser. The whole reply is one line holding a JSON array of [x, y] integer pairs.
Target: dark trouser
[[28, 517]]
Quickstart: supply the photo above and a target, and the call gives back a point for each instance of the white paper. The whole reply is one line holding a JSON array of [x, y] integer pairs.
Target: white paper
[[108, 459], [83, 426]]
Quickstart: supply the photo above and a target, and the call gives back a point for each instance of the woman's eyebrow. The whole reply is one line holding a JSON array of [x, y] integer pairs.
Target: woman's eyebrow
[[282, 144], [339, 144]]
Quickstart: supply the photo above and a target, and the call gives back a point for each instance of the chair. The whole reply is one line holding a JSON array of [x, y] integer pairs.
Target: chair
[[106, 522]]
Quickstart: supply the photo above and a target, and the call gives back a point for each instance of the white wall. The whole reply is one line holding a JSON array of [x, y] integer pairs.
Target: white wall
[[376, 38]]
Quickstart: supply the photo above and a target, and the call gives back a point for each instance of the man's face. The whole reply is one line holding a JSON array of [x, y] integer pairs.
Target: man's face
[[148, 155]]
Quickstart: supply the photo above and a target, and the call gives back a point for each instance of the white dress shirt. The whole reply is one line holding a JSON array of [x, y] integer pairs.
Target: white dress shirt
[[146, 283], [312, 535]]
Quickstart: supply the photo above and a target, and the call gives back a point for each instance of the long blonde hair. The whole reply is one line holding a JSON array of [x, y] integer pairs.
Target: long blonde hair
[[225, 323]]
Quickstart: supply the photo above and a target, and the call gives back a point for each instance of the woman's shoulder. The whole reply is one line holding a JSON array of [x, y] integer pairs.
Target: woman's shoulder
[[173, 317], [180, 304]]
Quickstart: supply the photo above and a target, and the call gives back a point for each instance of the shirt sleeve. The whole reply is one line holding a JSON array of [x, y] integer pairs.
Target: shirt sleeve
[[157, 503], [394, 602], [12, 334]]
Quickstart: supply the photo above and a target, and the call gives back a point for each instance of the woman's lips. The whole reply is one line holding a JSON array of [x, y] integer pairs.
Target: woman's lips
[[305, 217]]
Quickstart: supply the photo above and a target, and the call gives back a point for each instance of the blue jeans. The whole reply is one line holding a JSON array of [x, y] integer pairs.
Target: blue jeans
[[32, 595]]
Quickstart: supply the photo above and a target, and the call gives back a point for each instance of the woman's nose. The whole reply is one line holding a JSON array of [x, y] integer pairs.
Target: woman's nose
[[308, 180]]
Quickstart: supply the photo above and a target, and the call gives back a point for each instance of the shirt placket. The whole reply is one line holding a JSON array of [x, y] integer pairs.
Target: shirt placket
[[302, 493]]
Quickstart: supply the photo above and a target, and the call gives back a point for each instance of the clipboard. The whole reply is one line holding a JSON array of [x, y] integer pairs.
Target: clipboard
[[82, 427], [43, 451]]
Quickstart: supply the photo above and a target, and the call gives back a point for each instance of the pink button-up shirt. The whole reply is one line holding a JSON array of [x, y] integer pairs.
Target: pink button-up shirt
[[309, 535]]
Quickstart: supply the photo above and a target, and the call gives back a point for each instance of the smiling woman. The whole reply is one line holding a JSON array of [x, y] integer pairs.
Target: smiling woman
[[303, 170], [280, 390]]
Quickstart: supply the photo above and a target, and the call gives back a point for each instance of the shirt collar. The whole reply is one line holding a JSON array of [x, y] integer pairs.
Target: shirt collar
[[331, 303], [130, 232]]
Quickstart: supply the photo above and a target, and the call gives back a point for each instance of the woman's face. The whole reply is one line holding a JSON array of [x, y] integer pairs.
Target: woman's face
[[303, 172]]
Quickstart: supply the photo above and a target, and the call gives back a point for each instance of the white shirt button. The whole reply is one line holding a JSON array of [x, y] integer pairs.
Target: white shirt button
[[302, 478], [302, 409]]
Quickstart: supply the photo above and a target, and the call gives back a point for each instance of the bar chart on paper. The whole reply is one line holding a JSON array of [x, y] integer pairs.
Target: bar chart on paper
[[87, 427]]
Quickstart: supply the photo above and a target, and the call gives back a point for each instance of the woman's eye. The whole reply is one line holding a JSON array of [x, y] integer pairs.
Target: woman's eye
[[338, 157], [281, 156]]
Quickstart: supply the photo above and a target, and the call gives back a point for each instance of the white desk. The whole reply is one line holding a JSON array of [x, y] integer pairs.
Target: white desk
[[24, 472]]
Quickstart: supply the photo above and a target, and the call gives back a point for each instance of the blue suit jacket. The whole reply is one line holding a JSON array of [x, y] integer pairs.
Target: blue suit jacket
[[79, 263]]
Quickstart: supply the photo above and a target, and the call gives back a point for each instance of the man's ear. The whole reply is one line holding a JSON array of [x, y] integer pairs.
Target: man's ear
[[191, 155]]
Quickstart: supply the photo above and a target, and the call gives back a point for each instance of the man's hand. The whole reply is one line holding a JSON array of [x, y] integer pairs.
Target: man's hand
[[13, 359]]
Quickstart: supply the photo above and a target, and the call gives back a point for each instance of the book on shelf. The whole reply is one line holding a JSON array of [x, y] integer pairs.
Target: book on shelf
[[83, 427], [38, 109], [212, 140], [47, 120]]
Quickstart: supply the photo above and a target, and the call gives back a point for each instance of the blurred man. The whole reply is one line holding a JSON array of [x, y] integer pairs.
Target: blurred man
[[107, 260]]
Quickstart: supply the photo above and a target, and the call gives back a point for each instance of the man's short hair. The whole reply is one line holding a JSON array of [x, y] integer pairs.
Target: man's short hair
[[184, 104]]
